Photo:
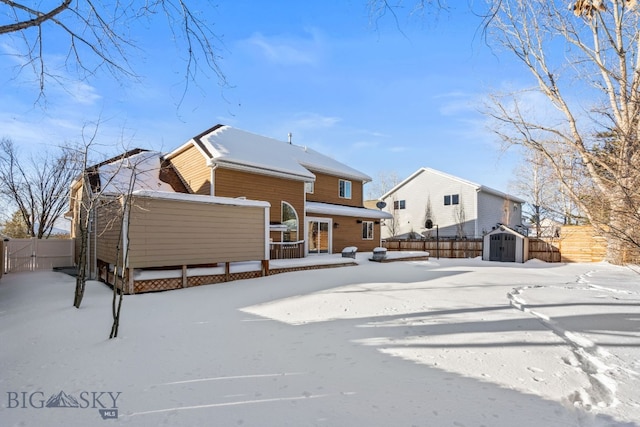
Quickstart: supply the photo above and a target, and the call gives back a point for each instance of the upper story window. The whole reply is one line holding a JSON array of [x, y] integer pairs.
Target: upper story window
[[399, 204], [367, 230], [451, 199], [344, 189], [308, 187]]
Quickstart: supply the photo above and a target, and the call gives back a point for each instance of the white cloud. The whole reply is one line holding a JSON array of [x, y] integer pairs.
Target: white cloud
[[82, 93], [457, 102], [287, 50], [314, 121], [398, 149], [360, 145]]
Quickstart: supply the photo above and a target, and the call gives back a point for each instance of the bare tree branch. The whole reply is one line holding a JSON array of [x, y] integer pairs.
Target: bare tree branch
[[40, 16], [98, 35]]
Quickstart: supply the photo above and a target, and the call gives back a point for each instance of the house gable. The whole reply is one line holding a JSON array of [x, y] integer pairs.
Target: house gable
[[426, 190], [458, 207], [229, 162], [190, 163]]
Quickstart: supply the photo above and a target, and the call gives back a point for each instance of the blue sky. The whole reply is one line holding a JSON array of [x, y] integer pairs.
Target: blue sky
[[376, 97]]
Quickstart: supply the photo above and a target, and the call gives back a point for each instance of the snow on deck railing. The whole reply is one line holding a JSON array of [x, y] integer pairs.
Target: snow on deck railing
[[287, 250]]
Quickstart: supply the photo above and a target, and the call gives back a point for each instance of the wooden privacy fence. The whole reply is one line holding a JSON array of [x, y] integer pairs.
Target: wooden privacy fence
[[37, 254], [544, 251], [580, 243], [469, 248]]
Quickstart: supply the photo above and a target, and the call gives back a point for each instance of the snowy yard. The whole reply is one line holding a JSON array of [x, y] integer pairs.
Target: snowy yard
[[423, 343]]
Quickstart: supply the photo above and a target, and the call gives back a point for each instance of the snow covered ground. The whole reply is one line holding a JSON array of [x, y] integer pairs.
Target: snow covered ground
[[424, 343]]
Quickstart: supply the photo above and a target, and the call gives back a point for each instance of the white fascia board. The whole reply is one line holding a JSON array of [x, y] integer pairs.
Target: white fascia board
[[329, 209], [264, 171], [353, 175], [500, 194], [178, 150], [197, 198]]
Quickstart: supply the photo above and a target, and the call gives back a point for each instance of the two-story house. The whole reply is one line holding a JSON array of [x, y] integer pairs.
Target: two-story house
[[459, 208], [316, 201]]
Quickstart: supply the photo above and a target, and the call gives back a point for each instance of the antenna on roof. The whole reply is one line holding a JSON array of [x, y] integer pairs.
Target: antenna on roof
[[290, 135]]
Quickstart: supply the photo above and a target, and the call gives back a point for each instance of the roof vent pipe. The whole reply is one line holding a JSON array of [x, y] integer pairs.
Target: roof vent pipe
[[290, 135]]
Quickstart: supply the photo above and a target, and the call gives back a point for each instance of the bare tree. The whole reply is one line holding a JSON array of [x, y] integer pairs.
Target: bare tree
[[83, 201], [86, 194], [533, 183], [98, 36], [547, 199], [460, 219], [601, 130], [37, 187], [429, 215], [393, 224], [384, 181]]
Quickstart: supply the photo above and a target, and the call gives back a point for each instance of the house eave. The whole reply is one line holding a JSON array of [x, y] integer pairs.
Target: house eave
[[243, 167], [340, 210]]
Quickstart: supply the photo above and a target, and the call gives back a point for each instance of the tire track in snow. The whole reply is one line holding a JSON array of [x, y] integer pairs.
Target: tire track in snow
[[588, 357]]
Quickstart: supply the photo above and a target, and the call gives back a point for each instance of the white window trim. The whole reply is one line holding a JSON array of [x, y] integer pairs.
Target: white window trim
[[282, 203], [373, 228], [309, 187], [345, 187]]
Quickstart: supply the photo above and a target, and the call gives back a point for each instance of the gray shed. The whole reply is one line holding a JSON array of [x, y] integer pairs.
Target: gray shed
[[505, 245]]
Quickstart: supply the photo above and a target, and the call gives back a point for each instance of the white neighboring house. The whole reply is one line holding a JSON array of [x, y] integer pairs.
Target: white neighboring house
[[458, 207]]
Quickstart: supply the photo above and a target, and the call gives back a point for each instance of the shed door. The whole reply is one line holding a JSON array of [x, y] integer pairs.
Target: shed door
[[502, 247], [509, 245]]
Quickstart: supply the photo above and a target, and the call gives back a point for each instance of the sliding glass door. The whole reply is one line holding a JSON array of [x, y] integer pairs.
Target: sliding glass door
[[319, 236]]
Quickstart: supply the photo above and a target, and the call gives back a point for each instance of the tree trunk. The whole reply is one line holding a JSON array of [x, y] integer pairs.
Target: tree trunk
[[621, 230]]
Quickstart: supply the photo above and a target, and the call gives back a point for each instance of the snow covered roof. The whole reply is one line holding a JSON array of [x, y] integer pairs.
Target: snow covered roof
[[238, 149], [478, 187], [130, 173], [197, 198], [501, 228], [329, 209]]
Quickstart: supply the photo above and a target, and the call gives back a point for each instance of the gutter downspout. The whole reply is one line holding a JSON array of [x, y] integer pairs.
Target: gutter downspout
[[212, 177], [267, 245], [476, 219]]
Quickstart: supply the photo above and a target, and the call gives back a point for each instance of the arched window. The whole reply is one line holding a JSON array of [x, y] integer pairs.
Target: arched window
[[290, 219]]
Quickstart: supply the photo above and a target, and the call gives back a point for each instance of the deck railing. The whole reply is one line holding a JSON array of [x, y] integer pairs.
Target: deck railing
[[287, 250]]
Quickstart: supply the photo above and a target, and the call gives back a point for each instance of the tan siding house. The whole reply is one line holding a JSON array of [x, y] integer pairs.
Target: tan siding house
[[290, 178], [223, 197]]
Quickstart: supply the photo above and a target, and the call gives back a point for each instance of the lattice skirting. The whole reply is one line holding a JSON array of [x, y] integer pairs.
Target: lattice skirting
[[154, 285], [309, 267]]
